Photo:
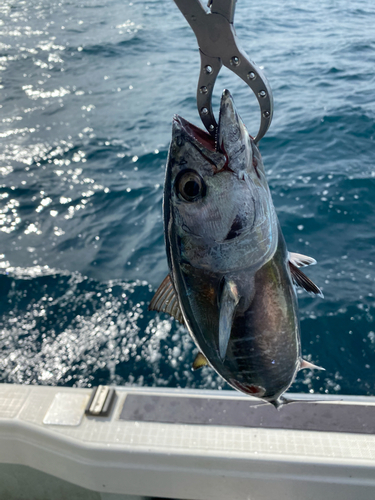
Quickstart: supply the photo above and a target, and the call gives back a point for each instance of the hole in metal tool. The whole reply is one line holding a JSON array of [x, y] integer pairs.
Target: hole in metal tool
[[235, 61]]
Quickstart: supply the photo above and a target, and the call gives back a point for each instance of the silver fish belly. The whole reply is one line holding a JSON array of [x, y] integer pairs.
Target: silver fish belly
[[231, 278]]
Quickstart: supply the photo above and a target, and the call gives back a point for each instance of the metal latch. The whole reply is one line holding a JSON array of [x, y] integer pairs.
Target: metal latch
[[101, 401]]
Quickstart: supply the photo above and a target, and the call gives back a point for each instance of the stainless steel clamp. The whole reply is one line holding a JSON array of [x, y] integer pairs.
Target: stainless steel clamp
[[218, 46]]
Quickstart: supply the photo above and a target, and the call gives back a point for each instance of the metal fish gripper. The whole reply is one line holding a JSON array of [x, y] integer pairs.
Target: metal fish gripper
[[218, 46]]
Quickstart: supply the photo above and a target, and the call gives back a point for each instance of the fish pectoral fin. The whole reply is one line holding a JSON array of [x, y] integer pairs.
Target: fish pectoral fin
[[228, 304], [199, 361], [300, 260], [311, 366], [166, 300], [300, 279]]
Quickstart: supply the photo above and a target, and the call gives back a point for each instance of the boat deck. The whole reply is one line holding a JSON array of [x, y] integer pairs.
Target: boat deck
[[185, 444]]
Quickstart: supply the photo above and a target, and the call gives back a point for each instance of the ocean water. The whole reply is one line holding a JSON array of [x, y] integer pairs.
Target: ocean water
[[87, 93]]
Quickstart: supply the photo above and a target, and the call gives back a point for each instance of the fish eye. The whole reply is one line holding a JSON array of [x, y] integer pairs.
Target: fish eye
[[190, 185]]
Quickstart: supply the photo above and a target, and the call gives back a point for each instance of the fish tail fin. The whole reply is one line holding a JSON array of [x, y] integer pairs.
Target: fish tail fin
[[281, 401]]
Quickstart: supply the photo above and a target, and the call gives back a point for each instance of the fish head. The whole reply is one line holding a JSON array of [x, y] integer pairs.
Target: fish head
[[216, 190]]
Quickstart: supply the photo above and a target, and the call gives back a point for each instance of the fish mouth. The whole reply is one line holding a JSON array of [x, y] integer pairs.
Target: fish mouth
[[227, 116], [228, 120], [195, 133], [228, 142]]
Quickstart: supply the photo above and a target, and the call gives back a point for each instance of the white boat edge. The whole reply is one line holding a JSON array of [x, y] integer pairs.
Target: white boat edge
[[45, 437]]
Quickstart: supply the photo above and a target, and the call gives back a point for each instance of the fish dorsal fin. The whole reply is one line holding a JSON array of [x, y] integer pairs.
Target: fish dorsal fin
[[311, 366], [228, 303], [199, 361], [165, 300], [300, 260], [300, 279]]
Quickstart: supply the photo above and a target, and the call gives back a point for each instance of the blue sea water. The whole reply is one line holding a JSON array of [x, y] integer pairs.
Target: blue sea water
[[87, 92]]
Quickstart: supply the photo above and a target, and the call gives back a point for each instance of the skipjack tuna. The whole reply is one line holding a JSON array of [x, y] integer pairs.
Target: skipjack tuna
[[231, 278]]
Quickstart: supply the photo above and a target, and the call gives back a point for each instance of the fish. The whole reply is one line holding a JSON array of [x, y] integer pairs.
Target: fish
[[231, 279]]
